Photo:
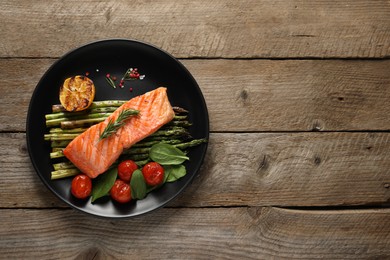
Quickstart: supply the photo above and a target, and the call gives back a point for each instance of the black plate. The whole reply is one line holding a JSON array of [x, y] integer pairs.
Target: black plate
[[115, 57]]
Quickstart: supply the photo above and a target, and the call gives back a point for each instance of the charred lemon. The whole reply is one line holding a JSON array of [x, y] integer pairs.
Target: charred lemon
[[77, 93]]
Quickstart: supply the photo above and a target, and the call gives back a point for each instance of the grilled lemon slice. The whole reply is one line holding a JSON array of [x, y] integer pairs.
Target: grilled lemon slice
[[77, 93]]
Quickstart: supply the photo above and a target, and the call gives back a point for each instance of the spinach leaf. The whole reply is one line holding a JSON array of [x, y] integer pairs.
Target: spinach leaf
[[138, 185], [166, 154], [174, 172], [103, 183]]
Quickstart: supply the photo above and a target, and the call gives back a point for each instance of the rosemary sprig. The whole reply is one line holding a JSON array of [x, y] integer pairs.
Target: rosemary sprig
[[112, 127], [127, 73], [110, 81]]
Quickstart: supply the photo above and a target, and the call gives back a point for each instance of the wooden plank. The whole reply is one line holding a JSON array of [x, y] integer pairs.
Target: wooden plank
[[252, 169], [294, 169], [19, 183], [252, 95], [209, 233], [18, 81], [250, 29], [295, 95]]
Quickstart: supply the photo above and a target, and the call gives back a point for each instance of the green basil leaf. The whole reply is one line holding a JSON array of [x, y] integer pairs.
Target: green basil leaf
[[102, 184], [138, 185], [174, 172], [166, 154]]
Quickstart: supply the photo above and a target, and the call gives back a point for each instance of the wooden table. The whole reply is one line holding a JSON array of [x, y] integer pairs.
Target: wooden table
[[298, 162]]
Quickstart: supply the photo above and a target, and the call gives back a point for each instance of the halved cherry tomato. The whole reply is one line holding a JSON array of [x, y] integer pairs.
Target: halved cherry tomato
[[153, 173], [81, 186], [121, 191], [126, 169]]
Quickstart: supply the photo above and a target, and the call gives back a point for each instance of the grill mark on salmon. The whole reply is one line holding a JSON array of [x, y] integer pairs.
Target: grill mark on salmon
[[93, 156]]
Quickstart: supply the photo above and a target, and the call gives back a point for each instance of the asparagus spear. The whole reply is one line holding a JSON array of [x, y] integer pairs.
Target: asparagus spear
[[180, 117], [56, 121], [80, 113], [87, 120], [182, 123], [179, 110], [58, 136], [63, 165], [136, 156], [150, 143], [100, 107], [81, 122], [78, 130], [60, 144], [57, 154], [172, 132], [96, 104], [191, 143], [111, 103], [59, 174], [181, 146], [131, 151], [142, 150]]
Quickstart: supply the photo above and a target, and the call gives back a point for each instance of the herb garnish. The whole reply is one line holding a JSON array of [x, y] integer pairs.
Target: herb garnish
[[132, 74], [112, 127], [103, 183], [110, 81], [166, 154]]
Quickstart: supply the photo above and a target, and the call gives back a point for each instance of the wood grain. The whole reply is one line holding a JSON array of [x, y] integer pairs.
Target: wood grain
[[231, 29], [249, 169], [259, 95], [19, 183], [295, 169], [298, 161], [218, 233], [251, 95]]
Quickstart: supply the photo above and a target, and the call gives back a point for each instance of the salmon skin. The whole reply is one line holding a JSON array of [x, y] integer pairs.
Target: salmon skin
[[93, 156]]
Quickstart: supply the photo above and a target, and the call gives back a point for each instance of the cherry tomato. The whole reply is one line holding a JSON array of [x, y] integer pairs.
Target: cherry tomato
[[81, 186], [120, 191], [153, 173], [126, 169]]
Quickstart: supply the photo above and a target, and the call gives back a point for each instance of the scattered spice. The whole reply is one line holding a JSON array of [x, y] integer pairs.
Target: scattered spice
[[121, 83], [130, 74]]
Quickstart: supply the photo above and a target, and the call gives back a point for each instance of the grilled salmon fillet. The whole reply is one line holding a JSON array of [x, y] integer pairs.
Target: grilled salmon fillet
[[93, 156]]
